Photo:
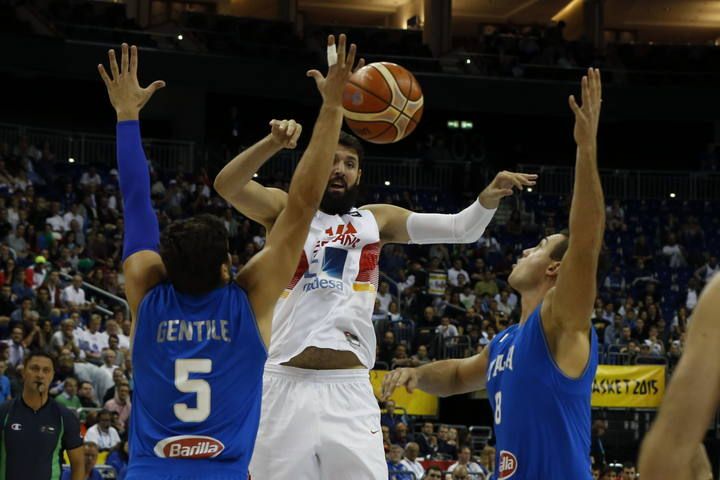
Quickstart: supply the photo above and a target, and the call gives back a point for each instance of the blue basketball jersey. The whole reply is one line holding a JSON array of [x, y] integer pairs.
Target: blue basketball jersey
[[198, 366], [542, 417]]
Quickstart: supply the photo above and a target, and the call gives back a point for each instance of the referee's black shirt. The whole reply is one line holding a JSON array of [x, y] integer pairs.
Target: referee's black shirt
[[31, 442]]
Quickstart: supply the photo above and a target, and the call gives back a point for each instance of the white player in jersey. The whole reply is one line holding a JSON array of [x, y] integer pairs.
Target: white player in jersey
[[320, 418]]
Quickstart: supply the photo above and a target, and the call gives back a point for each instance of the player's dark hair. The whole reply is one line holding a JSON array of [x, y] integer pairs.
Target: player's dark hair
[[38, 355], [560, 249], [193, 251], [351, 141]]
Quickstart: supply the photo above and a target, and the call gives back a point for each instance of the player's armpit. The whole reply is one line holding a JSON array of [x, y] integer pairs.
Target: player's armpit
[[392, 222], [260, 204], [143, 271]]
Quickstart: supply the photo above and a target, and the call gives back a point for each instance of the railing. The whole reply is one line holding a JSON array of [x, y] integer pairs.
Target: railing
[[632, 184], [90, 148], [103, 293]]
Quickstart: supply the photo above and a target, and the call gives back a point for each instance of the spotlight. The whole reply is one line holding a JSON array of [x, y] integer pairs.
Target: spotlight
[[387, 183]]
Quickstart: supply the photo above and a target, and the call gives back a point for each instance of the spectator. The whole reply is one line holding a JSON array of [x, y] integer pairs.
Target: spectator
[[457, 269], [93, 342], [446, 329], [597, 446], [74, 295], [433, 473], [412, 451], [464, 459], [113, 328], [121, 403], [395, 465], [109, 359], [16, 347], [674, 252], [402, 437], [394, 312], [119, 378], [487, 459], [443, 446], [5, 391], [69, 397], [91, 455], [73, 215], [401, 359], [487, 286], [392, 417], [103, 434], [424, 439], [55, 220], [119, 458], [460, 473], [421, 357], [707, 271], [90, 178], [86, 394], [629, 471], [387, 348], [384, 296], [65, 339]]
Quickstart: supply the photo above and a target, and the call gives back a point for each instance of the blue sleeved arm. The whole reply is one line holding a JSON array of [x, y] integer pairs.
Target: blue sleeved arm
[[141, 226]]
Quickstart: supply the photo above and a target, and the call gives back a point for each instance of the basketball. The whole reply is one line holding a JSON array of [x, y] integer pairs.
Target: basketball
[[383, 103]]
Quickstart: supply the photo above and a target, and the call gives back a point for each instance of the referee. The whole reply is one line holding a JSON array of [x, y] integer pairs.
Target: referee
[[36, 429]]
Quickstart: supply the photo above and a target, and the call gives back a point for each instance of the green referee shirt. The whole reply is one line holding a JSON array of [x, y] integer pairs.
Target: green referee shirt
[[32, 442]]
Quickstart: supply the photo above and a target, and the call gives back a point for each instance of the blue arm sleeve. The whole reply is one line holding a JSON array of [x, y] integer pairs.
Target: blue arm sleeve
[[141, 226]]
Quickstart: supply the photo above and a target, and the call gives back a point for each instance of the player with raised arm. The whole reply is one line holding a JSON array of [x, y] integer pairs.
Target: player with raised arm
[[198, 341], [319, 409], [692, 399], [539, 373]]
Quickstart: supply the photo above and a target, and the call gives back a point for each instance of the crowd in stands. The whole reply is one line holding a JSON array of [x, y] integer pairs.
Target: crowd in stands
[[61, 226], [507, 50]]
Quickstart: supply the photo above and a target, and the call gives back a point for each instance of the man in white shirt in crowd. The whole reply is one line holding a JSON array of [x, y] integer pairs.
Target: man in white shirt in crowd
[[412, 450], [446, 329], [384, 296], [456, 270], [476, 471], [56, 220], [74, 295], [109, 359], [73, 214], [705, 273], [16, 349], [93, 341], [674, 252], [90, 177], [103, 433]]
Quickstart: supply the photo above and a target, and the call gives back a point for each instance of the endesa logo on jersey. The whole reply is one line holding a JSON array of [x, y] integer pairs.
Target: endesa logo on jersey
[[508, 465], [189, 446]]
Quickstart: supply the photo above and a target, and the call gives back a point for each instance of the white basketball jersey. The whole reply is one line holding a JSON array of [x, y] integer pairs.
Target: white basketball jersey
[[330, 300]]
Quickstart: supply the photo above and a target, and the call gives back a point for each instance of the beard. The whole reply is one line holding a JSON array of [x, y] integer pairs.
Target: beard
[[334, 203]]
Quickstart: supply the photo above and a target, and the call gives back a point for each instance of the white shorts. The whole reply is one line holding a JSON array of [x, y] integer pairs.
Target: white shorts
[[318, 425]]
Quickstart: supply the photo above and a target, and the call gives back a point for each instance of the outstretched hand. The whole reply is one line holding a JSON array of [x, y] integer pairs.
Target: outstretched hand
[[502, 186], [126, 94], [331, 86], [587, 116]]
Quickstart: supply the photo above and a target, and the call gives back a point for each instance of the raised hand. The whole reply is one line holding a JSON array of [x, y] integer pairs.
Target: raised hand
[[587, 116], [285, 133], [502, 186], [400, 377], [331, 86], [126, 94]]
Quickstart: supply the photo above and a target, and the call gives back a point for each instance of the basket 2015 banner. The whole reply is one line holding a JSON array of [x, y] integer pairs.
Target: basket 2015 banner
[[636, 386]]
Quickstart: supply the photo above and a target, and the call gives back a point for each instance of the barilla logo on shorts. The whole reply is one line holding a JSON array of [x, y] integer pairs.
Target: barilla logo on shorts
[[508, 465], [189, 446]]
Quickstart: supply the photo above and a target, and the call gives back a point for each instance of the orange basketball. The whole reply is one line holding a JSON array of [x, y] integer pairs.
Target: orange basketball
[[383, 103]]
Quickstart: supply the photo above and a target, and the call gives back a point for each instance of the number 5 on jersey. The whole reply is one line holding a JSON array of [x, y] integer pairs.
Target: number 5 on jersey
[[183, 368]]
